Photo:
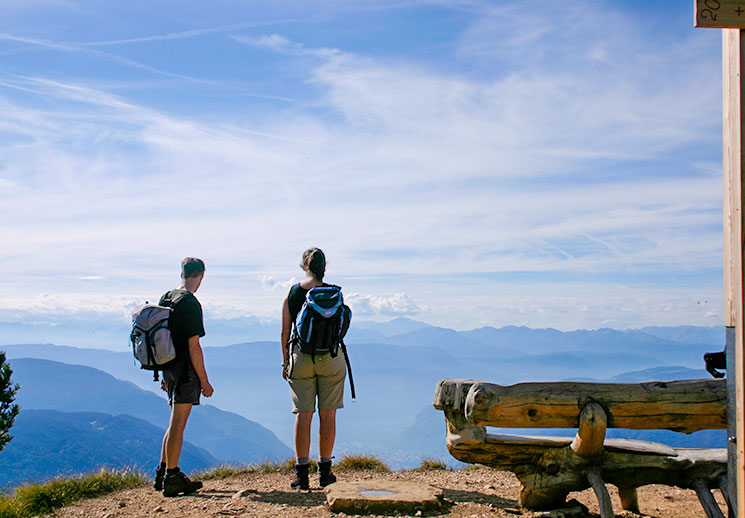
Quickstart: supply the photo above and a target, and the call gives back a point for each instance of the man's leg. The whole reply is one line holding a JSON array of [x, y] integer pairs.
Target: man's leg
[[174, 438], [176, 483], [163, 448], [327, 432]]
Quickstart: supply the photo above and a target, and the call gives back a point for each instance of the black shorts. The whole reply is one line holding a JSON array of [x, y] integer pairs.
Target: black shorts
[[182, 383]]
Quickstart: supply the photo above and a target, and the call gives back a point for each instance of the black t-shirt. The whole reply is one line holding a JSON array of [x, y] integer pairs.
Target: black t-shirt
[[295, 299], [186, 318]]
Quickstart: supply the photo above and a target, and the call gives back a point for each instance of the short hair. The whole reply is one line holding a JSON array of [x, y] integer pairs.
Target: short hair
[[192, 267]]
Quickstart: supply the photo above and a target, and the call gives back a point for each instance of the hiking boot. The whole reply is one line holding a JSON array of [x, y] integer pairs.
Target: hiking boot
[[175, 484], [301, 477], [160, 473], [326, 477]]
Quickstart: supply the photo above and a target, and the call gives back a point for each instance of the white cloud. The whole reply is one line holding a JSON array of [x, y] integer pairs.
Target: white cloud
[[269, 283], [396, 304]]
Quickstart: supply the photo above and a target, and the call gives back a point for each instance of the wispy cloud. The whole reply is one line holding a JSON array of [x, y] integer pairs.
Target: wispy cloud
[[75, 48], [526, 148]]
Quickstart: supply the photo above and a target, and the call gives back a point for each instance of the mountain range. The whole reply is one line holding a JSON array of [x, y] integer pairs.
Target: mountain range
[[397, 364]]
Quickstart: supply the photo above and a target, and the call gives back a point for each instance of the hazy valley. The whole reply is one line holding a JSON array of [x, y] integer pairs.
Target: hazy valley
[[395, 364]]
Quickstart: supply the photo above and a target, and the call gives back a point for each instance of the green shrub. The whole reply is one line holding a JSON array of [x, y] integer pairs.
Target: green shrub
[[38, 499], [9, 508], [362, 462], [430, 463]]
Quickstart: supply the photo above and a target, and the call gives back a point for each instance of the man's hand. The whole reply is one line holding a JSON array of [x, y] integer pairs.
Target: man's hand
[[284, 371], [163, 385], [207, 389]]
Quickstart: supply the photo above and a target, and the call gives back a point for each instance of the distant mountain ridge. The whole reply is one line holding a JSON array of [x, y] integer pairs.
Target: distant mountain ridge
[[396, 373]]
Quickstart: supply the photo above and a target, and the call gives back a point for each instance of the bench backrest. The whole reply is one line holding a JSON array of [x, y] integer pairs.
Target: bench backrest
[[682, 406]]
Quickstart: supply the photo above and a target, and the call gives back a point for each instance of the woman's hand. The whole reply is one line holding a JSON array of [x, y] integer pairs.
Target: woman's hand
[[284, 370]]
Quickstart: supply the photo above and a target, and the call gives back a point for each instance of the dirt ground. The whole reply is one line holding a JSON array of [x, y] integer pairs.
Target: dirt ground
[[473, 493]]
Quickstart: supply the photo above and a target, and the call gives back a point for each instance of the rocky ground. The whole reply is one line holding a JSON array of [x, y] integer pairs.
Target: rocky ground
[[472, 493]]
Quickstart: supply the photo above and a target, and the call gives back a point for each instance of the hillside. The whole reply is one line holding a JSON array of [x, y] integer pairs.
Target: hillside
[[47, 443], [225, 437], [472, 493]]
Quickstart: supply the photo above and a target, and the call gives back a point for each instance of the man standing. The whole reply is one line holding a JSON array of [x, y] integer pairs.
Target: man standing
[[185, 378]]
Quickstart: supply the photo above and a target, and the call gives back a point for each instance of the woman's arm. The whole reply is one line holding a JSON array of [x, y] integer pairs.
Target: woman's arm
[[286, 327]]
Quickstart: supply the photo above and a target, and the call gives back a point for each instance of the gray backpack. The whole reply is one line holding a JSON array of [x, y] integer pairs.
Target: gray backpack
[[151, 340]]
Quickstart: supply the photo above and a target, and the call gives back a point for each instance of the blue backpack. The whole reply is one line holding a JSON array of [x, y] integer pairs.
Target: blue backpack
[[322, 323]]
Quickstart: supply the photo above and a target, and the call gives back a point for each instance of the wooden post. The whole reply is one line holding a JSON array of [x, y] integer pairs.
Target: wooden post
[[730, 16], [733, 44]]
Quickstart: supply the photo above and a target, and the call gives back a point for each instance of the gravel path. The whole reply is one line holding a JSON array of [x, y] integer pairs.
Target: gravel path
[[473, 493]]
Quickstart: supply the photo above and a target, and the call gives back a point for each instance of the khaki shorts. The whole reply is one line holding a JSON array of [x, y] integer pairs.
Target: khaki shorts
[[323, 379]]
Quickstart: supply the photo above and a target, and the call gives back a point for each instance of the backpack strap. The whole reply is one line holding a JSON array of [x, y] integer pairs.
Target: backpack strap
[[150, 356], [349, 369]]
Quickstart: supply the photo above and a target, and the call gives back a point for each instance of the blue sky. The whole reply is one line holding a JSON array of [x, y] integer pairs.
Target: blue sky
[[464, 163]]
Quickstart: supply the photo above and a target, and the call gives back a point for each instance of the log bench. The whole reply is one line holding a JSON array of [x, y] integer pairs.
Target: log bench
[[550, 467]]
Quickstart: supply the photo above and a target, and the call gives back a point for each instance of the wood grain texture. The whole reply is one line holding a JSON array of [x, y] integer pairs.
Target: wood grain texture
[[682, 406], [551, 467], [732, 83], [591, 433]]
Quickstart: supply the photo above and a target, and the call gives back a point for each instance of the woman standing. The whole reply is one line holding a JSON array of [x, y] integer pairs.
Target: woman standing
[[318, 376]]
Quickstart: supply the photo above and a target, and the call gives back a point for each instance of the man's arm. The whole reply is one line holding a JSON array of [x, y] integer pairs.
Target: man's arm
[[286, 325], [197, 360]]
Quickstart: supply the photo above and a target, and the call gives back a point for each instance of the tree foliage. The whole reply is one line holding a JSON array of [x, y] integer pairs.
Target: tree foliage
[[8, 410]]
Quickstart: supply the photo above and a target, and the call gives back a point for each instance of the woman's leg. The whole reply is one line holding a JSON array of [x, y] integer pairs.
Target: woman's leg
[[302, 433], [327, 433]]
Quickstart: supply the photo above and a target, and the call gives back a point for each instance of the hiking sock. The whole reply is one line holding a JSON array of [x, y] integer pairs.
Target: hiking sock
[[171, 471], [326, 459], [303, 460]]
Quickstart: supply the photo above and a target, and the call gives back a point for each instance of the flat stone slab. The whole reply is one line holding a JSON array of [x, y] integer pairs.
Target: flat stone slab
[[382, 496]]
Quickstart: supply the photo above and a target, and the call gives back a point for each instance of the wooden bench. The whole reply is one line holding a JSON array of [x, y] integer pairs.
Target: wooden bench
[[550, 467]]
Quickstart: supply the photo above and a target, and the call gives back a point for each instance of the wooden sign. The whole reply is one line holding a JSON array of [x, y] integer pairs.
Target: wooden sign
[[720, 14]]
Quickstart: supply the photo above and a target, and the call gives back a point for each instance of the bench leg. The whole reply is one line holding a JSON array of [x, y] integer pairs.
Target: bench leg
[[629, 499], [724, 488], [601, 492], [707, 499]]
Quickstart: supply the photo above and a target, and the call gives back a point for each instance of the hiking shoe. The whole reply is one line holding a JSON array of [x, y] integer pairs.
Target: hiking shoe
[[175, 484], [326, 477], [160, 474], [301, 477]]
